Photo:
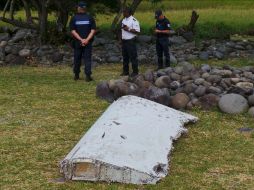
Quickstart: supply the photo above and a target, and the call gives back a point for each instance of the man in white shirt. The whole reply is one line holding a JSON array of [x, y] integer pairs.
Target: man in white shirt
[[130, 29]]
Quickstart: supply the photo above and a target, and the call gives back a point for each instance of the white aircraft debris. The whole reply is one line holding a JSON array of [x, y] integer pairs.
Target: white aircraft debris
[[129, 143]]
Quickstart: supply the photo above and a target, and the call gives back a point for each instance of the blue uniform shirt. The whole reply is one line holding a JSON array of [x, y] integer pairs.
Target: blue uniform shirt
[[82, 23], [163, 24]]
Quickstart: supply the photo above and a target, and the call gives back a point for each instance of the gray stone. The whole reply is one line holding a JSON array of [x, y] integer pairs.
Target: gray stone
[[214, 90], [206, 68], [199, 81], [189, 88], [158, 95], [209, 101], [113, 83], [233, 104], [20, 35], [251, 100], [57, 57], [3, 44], [163, 82], [245, 85], [187, 67], [144, 39], [24, 53], [173, 59], [180, 101], [178, 70], [204, 55], [125, 88], [177, 40], [251, 112], [103, 91], [175, 85], [205, 75], [200, 91], [214, 78], [113, 59], [175, 77], [4, 37], [218, 55], [149, 76], [235, 80]]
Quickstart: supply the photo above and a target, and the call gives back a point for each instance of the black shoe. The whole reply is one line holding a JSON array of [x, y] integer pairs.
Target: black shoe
[[133, 75], [76, 77], [124, 74], [89, 78]]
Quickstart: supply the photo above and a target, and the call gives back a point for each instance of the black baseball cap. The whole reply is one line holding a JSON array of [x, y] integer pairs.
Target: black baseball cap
[[158, 13], [82, 4]]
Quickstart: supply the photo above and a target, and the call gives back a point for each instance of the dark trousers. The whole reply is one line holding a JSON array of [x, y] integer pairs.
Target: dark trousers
[[86, 53], [129, 51], [162, 47]]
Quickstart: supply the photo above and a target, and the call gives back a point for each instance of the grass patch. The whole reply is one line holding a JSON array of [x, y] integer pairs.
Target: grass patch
[[43, 113]]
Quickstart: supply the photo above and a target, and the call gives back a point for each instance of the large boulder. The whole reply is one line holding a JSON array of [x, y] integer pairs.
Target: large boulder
[[103, 91], [233, 104], [251, 100], [180, 101]]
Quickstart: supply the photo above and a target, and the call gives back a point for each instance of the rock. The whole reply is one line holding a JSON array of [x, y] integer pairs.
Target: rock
[[125, 88], [3, 44], [173, 59], [245, 85], [113, 59], [20, 35], [186, 66], [175, 85], [180, 101], [103, 91], [214, 90], [112, 83], [206, 68], [205, 75], [178, 70], [209, 101], [218, 55], [149, 76], [24, 53], [163, 82], [214, 78], [144, 39], [199, 81], [189, 36], [204, 56], [158, 95], [233, 104], [175, 77], [177, 40], [57, 57], [200, 91], [4, 37], [251, 100], [189, 88], [235, 80], [251, 112]]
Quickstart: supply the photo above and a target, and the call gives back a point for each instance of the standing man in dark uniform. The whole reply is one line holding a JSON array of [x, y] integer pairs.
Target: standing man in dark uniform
[[130, 29], [82, 27], [162, 32]]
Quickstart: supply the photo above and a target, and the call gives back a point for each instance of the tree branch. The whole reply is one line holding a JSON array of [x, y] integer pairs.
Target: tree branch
[[19, 23]]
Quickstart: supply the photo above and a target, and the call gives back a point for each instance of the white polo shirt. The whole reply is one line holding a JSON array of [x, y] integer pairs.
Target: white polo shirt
[[132, 23]]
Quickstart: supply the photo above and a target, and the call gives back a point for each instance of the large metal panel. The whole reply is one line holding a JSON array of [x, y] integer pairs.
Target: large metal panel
[[129, 143]]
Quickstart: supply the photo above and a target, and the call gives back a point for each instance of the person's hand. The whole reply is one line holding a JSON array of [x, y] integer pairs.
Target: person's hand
[[157, 31], [126, 28], [84, 42]]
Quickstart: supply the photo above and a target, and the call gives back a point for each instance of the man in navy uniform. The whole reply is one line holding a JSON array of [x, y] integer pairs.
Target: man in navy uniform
[[82, 27], [162, 32], [130, 29]]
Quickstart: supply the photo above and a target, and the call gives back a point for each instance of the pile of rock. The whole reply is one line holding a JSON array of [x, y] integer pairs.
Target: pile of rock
[[17, 44], [186, 87]]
